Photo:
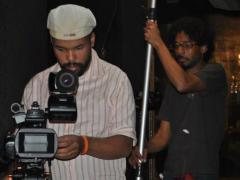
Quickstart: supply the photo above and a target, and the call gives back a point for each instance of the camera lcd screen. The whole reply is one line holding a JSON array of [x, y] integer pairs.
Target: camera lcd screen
[[31, 142], [35, 143]]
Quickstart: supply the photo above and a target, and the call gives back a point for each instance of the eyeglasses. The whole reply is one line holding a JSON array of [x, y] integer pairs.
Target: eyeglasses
[[185, 45]]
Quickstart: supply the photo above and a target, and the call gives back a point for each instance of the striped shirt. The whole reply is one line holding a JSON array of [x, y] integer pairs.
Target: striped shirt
[[105, 107]]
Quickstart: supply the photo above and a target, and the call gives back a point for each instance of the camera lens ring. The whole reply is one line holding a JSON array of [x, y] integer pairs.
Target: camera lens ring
[[16, 107], [66, 80]]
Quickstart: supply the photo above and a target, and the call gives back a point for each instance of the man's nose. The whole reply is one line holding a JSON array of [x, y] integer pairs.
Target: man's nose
[[70, 55], [180, 50]]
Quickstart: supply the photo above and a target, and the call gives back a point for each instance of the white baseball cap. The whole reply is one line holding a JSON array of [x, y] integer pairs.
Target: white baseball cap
[[70, 22]]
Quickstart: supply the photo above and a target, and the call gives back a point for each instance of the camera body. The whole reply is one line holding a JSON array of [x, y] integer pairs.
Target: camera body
[[31, 143], [62, 102]]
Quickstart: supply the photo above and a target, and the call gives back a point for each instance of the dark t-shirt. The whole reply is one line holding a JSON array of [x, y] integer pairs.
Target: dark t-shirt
[[197, 124]]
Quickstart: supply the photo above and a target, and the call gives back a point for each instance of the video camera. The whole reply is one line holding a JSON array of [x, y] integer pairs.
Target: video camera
[[62, 103], [32, 144]]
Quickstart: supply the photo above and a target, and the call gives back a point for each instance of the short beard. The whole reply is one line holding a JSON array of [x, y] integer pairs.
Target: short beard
[[82, 66], [191, 64]]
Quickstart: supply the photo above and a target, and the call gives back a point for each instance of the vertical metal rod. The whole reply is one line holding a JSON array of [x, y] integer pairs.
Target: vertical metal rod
[[151, 16]]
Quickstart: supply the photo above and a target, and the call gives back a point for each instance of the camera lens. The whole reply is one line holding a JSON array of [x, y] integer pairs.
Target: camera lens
[[16, 107], [66, 81]]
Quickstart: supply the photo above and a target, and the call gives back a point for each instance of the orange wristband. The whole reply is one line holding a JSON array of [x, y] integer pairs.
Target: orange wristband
[[85, 145]]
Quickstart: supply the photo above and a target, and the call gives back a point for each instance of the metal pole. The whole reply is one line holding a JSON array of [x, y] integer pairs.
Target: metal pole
[[151, 16]]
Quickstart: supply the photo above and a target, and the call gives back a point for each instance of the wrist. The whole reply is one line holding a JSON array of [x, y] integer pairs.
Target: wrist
[[158, 44], [84, 145]]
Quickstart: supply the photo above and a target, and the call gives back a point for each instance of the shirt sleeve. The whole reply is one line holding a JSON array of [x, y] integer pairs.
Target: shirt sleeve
[[165, 105], [123, 110], [214, 76], [35, 91], [27, 97]]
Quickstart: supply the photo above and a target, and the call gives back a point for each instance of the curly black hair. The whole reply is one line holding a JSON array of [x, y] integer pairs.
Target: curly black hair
[[197, 29]]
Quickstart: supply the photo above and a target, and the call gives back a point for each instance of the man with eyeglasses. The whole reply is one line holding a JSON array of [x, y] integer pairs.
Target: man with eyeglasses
[[192, 111]]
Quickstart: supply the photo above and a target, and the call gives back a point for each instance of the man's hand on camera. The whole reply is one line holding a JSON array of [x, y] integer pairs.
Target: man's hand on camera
[[69, 147]]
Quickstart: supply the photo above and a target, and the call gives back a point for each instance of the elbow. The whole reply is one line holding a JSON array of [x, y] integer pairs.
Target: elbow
[[182, 88], [183, 84]]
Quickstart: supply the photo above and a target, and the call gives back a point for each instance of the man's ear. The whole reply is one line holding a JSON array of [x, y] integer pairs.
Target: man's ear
[[204, 49], [92, 39]]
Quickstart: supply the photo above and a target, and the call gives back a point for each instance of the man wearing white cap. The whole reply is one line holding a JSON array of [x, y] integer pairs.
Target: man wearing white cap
[[95, 147]]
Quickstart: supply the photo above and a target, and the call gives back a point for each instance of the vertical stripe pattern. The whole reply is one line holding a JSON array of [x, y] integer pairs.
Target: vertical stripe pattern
[[105, 106]]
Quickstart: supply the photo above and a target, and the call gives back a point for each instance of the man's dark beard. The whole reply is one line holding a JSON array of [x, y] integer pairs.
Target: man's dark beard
[[82, 66], [191, 63]]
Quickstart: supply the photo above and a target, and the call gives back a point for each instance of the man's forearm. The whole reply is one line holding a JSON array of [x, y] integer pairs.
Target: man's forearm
[[113, 147], [160, 139], [175, 73], [153, 146]]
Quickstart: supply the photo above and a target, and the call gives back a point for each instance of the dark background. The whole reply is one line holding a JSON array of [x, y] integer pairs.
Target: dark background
[[25, 48]]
